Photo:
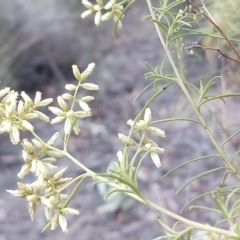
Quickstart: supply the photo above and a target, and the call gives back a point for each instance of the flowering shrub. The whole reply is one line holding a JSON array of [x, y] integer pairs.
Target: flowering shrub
[[39, 156]]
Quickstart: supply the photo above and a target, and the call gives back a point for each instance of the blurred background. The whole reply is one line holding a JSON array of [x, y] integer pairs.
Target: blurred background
[[39, 42]]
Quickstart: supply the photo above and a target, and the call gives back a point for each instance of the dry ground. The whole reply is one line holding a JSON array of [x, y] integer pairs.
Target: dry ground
[[119, 72]]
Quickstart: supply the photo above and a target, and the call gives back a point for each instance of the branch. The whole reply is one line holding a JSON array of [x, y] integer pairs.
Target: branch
[[196, 45], [211, 20]]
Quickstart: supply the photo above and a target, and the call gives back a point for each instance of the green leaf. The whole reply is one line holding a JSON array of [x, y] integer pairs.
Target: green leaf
[[161, 25], [220, 97], [176, 119], [199, 176], [185, 23], [225, 189], [116, 190], [188, 162], [233, 135], [225, 177], [235, 154], [141, 92], [204, 208]]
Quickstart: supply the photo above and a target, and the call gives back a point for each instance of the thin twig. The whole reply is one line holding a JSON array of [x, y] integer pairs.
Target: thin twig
[[195, 45], [209, 18], [206, 10]]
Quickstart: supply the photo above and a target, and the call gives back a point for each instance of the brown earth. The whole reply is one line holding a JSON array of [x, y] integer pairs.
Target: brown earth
[[119, 72]]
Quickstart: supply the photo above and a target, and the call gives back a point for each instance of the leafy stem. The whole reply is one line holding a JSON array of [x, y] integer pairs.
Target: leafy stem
[[188, 96], [135, 195]]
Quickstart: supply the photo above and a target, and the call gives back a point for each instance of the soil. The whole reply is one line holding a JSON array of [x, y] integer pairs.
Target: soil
[[119, 72]]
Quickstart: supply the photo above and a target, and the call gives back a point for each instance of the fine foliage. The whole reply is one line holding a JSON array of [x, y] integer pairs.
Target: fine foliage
[[174, 21]]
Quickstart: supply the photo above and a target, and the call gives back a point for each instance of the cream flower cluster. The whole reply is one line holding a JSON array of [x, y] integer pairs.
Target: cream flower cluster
[[66, 113], [39, 156], [104, 12], [15, 114], [147, 144], [45, 190]]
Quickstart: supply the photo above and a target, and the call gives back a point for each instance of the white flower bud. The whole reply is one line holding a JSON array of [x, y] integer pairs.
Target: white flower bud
[[46, 202], [50, 166], [130, 122], [147, 147], [37, 98], [27, 125], [120, 156], [84, 106], [63, 223], [33, 198], [100, 3], [76, 129], [97, 19], [157, 150], [88, 71], [12, 96], [127, 140], [56, 111], [34, 165], [16, 193], [27, 145], [87, 4], [70, 87], [90, 86], [47, 213], [32, 209], [38, 186], [82, 114], [76, 72], [42, 116], [87, 99], [45, 102], [96, 8], [37, 143], [67, 96], [49, 160], [26, 98], [5, 126], [30, 115], [62, 104], [54, 222], [14, 135], [52, 140], [156, 159], [86, 13], [59, 174], [4, 91], [20, 109], [26, 168], [68, 126], [55, 154], [42, 170], [110, 4], [147, 115], [157, 131], [11, 107], [118, 7], [58, 119], [63, 181], [180, 13], [53, 201], [69, 211], [142, 125], [106, 16]]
